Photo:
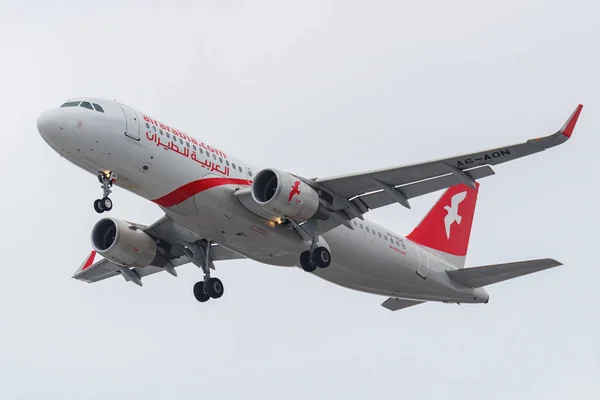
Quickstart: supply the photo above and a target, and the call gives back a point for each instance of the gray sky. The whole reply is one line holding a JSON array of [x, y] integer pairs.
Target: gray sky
[[317, 88]]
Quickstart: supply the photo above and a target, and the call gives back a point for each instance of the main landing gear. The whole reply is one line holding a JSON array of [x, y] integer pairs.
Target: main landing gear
[[105, 203], [310, 260], [209, 287]]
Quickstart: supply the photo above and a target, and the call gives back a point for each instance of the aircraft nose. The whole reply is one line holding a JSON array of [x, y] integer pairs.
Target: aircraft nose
[[48, 123]]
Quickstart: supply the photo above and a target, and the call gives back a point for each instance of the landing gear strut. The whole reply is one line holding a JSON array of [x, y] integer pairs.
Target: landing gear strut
[[105, 203], [209, 287], [310, 260]]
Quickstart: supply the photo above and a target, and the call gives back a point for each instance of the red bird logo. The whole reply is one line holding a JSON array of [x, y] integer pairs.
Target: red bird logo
[[294, 190]]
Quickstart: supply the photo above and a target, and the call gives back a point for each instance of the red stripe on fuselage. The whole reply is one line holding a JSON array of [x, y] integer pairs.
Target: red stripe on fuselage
[[183, 193]]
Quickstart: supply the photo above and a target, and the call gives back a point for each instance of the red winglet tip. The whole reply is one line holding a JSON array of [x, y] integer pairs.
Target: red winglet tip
[[567, 129], [90, 260]]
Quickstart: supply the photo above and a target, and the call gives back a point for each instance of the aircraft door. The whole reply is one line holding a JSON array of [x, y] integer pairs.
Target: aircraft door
[[423, 264], [132, 128], [249, 175]]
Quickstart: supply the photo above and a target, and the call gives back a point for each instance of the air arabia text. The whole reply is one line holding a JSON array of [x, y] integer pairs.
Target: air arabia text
[[184, 136]]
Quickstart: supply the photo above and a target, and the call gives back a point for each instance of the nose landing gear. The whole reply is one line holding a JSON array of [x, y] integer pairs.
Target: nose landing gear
[[105, 203]]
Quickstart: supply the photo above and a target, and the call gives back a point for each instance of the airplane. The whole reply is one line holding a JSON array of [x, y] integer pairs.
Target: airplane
[[219, 207]]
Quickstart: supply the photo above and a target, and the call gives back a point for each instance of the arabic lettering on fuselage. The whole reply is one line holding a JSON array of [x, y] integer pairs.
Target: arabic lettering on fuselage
[[178, 133], [186, 152]]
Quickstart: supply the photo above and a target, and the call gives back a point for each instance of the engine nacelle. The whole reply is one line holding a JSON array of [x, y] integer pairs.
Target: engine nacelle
[[286, 196], [126, 245]]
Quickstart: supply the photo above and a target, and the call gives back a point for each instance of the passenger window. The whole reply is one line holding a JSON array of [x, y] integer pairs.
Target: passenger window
[[153, 127], [147, 125], [181, 140], [379, 233], [194, 146], [240, 168], [361, 226], [168, 135], [201, 151], [214, 157], [221, 160], [397, 244], [187, 144], [161, 132], [227, 163], [87, 105], [249, 173], [71, 104], [385, 238], [367, 229], [98, 108]]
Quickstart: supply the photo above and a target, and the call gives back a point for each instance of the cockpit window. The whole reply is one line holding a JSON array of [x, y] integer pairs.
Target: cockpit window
[[85, 104]]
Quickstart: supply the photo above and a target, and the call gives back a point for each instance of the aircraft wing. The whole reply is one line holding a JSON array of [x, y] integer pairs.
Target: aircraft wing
[[355, 194], [166, 230]]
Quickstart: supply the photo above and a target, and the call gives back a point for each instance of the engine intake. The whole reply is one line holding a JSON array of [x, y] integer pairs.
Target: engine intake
[[286, 196], [126, 245]]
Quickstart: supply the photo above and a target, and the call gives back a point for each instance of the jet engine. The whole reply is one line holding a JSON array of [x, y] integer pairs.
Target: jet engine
[[286, 196], [125, 244]]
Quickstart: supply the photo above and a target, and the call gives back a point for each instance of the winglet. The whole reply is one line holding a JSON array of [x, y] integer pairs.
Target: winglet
[[569, 126], [88, 262]]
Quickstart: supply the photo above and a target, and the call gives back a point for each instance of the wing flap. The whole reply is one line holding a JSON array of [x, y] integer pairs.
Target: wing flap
[[489, 274], [395, 303], [381, 198], [105, 268]]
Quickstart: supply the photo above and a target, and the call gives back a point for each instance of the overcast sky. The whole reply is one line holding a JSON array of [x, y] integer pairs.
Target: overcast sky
[[317, 88]]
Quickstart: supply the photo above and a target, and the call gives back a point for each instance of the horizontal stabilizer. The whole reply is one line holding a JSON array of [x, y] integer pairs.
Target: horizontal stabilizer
[[486, 275], [395, 304]]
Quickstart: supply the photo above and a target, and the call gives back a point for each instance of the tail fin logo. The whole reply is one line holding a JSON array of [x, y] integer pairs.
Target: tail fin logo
[[452, 215], [437, 230]]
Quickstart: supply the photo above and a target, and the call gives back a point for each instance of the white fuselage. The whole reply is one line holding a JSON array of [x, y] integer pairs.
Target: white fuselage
[[167, 166]]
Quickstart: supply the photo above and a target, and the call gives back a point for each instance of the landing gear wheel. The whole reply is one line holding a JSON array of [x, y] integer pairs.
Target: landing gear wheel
[[321, 257], [106, 204], [214, 288], [306, 262], [199, 292], [98, 206], [199, 253]]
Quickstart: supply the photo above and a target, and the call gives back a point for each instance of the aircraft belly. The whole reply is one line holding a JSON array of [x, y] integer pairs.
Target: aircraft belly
[[227, 223], [370, 266]]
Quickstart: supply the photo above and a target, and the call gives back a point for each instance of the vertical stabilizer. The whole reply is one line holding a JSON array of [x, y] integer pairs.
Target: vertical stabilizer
[[446, 229]]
